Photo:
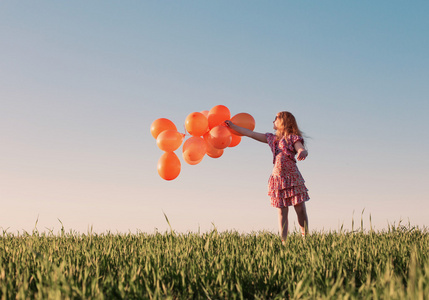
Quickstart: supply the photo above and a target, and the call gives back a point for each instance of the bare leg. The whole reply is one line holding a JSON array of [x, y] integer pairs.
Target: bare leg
[[301, 212], [283, 222]]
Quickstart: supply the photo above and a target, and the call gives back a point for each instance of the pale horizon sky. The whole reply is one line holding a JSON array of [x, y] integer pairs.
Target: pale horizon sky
[[81, 82]]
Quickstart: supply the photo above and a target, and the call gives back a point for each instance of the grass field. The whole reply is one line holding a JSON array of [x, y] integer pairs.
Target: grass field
[[393, 264]]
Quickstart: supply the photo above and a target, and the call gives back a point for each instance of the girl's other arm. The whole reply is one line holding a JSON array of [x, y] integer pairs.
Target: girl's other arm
[[261, 137], [301, 152]]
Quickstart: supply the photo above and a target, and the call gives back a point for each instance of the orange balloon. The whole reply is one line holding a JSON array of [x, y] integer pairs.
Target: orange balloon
[[219, 137], [217, 115], [194, 149], [205, 113], [236, 139], [169, 166], [191, 162], [196, 124], [159, 125], [243, 120], [212, 151], [169, 140]]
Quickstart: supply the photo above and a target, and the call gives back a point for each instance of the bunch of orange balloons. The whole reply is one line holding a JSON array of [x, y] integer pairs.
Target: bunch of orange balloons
[[208, 135]]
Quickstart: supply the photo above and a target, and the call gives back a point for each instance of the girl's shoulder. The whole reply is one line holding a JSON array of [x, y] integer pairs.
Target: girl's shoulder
[[293, 138], [270, 137], [271, 140], [290, 139], [286, 141]]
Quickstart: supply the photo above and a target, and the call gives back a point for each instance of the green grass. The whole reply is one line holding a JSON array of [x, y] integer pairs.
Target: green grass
[[392, 264]]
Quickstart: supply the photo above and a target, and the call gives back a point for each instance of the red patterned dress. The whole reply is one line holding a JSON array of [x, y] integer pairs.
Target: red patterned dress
[[286, 185]]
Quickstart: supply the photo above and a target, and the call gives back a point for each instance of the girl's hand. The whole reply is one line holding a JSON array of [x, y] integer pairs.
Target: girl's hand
[[228, 123], [302, 154], [261, 137]]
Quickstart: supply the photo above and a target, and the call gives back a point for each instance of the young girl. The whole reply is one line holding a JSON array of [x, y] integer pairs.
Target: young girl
[[285, 186]]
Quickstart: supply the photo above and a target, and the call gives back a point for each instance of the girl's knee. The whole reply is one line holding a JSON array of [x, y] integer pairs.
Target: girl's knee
[[283, 210], [300, 208]]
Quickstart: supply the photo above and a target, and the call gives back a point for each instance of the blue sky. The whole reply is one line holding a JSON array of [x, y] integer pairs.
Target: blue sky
[[81, 82]]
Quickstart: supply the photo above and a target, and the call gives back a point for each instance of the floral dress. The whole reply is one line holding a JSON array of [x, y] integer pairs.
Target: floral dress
[[286, 185]]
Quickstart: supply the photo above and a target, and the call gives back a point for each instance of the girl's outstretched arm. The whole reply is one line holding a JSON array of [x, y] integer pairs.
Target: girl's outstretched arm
[[261, 137], [301, 152]]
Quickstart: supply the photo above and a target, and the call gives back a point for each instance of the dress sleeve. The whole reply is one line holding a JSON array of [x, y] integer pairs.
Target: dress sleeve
[[271, 140], [296, 138]]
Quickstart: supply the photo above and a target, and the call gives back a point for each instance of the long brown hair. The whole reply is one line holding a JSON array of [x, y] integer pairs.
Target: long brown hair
[[288, 125]]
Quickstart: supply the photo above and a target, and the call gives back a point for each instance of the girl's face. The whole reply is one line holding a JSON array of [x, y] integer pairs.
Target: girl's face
[[276, 123]]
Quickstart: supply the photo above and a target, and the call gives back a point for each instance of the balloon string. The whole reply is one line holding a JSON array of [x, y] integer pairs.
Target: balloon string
[[186, 132]]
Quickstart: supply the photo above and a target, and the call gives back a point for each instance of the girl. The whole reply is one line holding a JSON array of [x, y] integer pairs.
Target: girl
[[285, 186]]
